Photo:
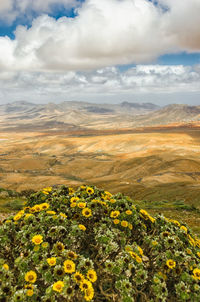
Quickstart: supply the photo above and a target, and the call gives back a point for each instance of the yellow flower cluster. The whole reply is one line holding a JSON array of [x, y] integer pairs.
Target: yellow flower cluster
[[107, 196], [196, 274], [145, 215], [47, 190], [85, 284], [135, 257], [103, 203], [18, 215]]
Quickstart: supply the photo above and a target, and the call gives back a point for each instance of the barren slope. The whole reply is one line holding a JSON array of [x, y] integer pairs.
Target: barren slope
[[136, 162]]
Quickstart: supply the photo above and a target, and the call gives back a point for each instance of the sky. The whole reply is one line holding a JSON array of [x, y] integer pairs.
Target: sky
[[100, 51]]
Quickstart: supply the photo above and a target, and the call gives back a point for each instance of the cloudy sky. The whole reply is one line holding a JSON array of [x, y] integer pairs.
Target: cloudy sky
[[100, 51]]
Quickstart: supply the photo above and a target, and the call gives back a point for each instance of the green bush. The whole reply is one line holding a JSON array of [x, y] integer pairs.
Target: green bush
[[90, 245]]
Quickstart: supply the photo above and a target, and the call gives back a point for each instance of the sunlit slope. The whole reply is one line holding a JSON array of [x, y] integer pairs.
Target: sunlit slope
[[136, 162]]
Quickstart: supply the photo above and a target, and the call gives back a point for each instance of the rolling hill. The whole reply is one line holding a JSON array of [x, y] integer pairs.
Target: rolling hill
[[82, 115]]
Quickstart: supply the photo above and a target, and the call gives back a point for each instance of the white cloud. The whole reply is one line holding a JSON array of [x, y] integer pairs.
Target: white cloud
[[182, 22], [105, 33], [103, 84], [11, 9]]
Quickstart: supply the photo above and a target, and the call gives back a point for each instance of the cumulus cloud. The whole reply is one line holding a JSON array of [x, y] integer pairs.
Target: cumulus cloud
[[151, 82], [104, 33], [11, 9]]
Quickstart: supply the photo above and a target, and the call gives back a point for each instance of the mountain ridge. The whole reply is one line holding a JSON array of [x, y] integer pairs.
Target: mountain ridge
[[85, 115]]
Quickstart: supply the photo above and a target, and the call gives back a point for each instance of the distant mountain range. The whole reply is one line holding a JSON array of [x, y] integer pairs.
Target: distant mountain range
[[83, 115]]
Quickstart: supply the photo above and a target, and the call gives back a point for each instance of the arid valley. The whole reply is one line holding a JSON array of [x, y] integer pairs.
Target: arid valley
[[159, 167]]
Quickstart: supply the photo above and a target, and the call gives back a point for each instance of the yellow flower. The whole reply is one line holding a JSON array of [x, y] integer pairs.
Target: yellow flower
[[114, 214], [45, 245], [48, 189], [144, 214], [128, 248], [87, 212], [78, 277], [138, 259], [130, 226], [51, 212], [116, 221], [29, 292], [140, 250], [95, 201], [29, 286], [8, 221], [189, 251], [27, 216], [108, 194], [71, 191], [196, 274], [191, 241], [69, 266], [89, 294], [46, 193], [82, 227], [59, 247], [32, 210], [92, 276], [74, 199], [162, 275], [63, 215], [133, 255], [72, 204], [58, 286], [175, 222], [112, 200], [72, 255], [103, 203], [31, 277], [85, 284], [171, 263], [152, 219], [37, 239], [156, 279], [81, 205], [124, 223], [36, 248], [129, 212], [51, 261], [90, 190], [198, 254], [6, 266], [183, 228], [197, 243], [154, 243], [18, 215], [37, 208], [44, 206]]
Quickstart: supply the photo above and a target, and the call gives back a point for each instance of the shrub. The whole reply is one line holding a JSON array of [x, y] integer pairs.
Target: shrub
[[90, 245]]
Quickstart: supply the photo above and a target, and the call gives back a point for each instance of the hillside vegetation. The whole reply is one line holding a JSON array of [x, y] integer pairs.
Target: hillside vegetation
[[89, 245]]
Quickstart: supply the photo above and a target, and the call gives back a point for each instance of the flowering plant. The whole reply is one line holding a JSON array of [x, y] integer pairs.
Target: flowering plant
[[89, 245]]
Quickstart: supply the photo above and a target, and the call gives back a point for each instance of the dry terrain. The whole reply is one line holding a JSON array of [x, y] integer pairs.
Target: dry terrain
[[138, 163], [151, 154]]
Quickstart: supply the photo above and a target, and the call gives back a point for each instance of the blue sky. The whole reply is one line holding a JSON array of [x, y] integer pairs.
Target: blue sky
[[100, 50]]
